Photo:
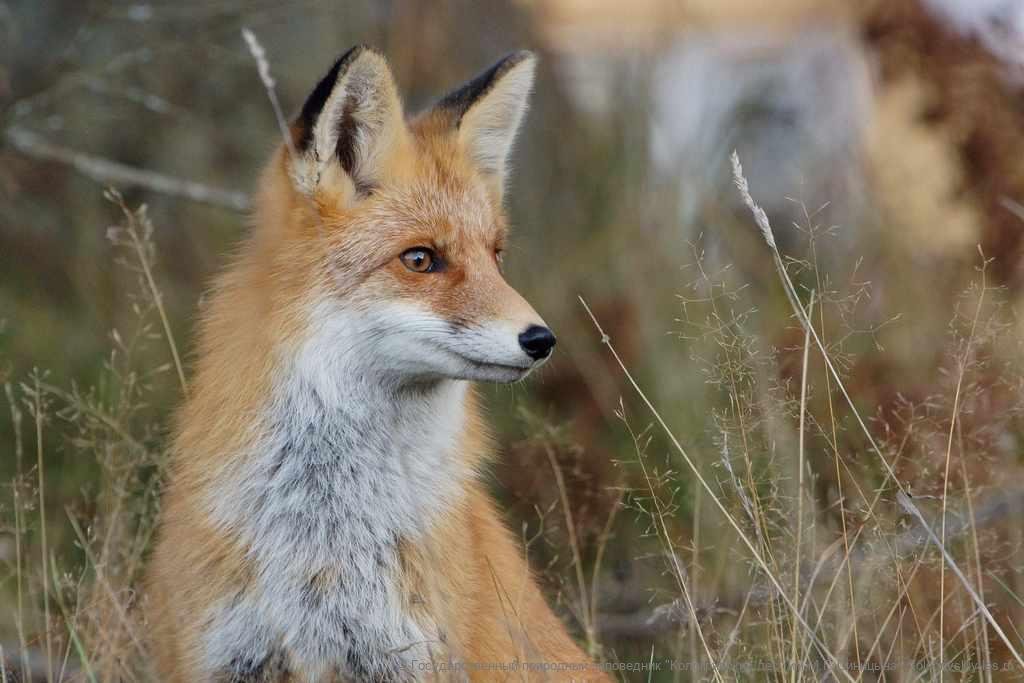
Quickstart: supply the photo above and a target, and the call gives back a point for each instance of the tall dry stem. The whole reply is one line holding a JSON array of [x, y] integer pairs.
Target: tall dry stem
[[776, 583], [902, 496]]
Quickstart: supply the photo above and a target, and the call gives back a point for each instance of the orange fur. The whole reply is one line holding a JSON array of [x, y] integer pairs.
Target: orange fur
[[468, 575]]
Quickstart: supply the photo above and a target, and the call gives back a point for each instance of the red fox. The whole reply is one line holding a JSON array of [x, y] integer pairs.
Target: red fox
[[324, 518]]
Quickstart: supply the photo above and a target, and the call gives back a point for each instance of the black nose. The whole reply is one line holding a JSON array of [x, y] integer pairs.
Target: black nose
[[537, 341]]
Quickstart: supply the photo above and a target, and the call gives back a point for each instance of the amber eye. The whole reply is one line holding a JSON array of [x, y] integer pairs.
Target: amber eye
[[420, 260]]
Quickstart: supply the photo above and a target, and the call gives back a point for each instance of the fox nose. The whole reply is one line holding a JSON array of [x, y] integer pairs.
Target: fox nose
[[537, 341]]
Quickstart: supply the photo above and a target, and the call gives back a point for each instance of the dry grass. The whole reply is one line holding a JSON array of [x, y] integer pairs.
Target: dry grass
[[808, 479], [74, 615], [832, 571]]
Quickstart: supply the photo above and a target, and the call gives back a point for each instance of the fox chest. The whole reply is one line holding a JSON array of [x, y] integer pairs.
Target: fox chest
[[347, 622], [323, 512]]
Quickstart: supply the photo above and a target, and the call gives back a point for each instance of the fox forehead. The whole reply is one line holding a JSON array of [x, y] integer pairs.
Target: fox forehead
[[447, 215], [434, 200]]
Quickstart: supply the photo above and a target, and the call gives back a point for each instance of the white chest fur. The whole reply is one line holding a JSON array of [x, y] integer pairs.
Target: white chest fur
[[340, 476]]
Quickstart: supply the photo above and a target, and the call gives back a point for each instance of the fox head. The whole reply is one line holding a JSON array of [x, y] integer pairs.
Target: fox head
[[396, 229]]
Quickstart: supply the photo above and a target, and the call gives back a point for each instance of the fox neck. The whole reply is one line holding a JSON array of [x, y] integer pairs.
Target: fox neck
[[347, 469], [347, 451]]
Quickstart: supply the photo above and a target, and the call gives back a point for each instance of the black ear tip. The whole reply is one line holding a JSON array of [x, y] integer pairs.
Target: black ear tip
[[303, 126], [458, 102], [355, 52], [518, 57], [511, 61]]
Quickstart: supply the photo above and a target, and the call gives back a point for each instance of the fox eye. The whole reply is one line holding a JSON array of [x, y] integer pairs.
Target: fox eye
[[421, 260]]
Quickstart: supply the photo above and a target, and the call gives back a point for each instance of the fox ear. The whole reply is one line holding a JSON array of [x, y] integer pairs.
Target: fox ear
[[350, 121], [487, 111]]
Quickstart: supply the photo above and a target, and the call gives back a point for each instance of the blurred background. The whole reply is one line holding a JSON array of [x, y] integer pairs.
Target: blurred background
[[885, 142]]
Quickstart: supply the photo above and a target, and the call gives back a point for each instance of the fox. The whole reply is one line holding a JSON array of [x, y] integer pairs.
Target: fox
[[324, 515]]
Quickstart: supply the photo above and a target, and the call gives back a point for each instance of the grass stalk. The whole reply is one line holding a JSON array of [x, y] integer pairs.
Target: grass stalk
[[577, 559], [800, 494], [131, 227], [776, 584], [902, 496], [961, 371], [37, 414]]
